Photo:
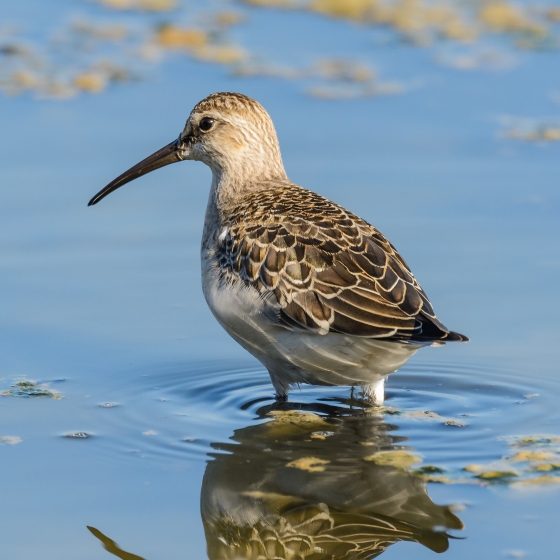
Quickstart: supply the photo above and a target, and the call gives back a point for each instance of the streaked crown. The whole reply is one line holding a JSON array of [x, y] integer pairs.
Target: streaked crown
[[228, 102], [240, 144]]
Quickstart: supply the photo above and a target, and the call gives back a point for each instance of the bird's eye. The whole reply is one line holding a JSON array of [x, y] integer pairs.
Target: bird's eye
[[206, 124]]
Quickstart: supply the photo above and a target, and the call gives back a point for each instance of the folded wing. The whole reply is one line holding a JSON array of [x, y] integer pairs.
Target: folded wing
[[326, 270]]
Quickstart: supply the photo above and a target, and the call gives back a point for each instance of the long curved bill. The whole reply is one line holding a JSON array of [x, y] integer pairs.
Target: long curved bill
[[172, 153]]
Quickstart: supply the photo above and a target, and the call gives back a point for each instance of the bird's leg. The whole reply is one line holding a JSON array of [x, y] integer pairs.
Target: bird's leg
[[282, 388], [353, 398], [374, 393]]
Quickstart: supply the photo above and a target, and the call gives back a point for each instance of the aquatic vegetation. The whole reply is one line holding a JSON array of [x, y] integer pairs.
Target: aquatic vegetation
[[398, 458], [173, 37], [531, 130], [418, 415], [538, 454], [422, 22], [429, 469], [535, 460], [88, 57], [31, 389], [546, 467], [455, 423], [474, 468], [91, 82], [307, 420], [553, 14], [140, 5], [523, 456], [537, 481], [541, 440], [75, 60], [287, 422], [418, 21], [496, 475], [527, 467], [502, 16], [311, 464], [542, 133]]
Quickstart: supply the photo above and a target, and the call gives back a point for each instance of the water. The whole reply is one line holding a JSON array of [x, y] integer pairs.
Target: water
[[102, 307]]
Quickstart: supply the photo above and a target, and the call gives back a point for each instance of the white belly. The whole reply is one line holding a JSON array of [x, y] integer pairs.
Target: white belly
[[293, 356]]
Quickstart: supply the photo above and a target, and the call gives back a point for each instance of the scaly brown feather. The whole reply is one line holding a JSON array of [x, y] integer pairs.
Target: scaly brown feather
[[323, 268]]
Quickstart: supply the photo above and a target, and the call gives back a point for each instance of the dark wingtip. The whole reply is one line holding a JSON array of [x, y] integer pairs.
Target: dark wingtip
[[456, 337]]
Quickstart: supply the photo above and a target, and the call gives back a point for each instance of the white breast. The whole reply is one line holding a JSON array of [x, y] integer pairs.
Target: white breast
[[297, 356]]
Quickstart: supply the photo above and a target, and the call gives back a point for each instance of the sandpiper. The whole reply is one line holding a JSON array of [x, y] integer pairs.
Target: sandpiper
[[314, 292]]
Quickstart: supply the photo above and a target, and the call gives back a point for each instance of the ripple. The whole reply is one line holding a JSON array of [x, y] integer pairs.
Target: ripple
[[451, 414]]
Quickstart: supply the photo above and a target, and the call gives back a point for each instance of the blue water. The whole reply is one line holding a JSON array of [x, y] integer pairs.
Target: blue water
[[104, 304]]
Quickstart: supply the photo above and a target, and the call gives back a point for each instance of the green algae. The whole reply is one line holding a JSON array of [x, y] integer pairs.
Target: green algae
[[30, 389]]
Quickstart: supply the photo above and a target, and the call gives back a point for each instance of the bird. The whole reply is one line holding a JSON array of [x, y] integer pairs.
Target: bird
[[317, 294]]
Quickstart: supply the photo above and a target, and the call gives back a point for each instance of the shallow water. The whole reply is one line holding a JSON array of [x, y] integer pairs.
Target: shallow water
[[101, 307], [131, 455]]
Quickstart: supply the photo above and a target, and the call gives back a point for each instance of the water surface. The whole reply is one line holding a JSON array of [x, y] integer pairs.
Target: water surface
[[102, 307]]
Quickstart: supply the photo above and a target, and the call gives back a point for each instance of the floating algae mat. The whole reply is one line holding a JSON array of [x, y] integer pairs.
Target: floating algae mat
[[30, 389], [87, 56]]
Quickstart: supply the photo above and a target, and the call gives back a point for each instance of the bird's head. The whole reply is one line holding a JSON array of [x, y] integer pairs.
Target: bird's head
[[229, 132]]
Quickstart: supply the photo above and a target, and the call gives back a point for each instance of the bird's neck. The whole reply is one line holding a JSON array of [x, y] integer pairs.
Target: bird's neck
[[228, 190], [231, 183]]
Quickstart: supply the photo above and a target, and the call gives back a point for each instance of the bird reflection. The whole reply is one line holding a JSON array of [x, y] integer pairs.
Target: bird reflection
[[303, 486]]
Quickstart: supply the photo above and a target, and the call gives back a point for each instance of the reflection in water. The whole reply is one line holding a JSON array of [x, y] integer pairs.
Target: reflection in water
[[304, 486], [113, 547]]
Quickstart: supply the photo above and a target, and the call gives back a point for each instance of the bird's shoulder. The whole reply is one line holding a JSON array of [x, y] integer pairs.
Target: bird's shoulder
[[325, 268], [285, 210]]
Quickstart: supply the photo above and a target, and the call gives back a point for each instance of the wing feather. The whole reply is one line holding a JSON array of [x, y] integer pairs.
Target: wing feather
[[327, 269]]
